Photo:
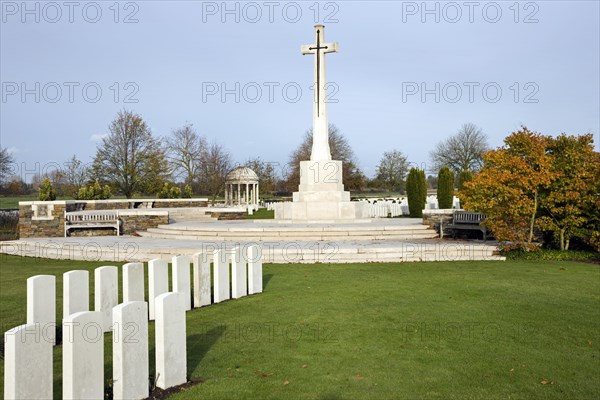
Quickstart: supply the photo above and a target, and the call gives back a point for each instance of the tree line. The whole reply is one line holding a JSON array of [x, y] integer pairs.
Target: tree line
[[533, 189], [131, 161]]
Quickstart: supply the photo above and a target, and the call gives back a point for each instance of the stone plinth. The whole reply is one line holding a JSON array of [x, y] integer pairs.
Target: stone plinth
[[321, 196]]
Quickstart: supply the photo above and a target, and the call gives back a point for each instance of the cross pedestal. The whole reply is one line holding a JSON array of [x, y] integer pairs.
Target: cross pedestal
[[321, 196]]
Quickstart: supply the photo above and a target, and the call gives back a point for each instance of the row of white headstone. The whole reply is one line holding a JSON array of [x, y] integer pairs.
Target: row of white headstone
[[380, 208], [383, 208], [28, 372]]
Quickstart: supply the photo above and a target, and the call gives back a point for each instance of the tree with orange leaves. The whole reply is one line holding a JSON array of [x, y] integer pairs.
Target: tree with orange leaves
[[571, 200], [508, 187]]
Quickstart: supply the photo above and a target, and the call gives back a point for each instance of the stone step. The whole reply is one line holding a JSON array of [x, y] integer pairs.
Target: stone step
[[406, 234], [186, 215], [273, 232], [407, 252]]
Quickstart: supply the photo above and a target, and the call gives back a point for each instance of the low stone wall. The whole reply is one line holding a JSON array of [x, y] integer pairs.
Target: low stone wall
[[222, 216], [133, 221], [123, 204], [434, 217], [47, 218]]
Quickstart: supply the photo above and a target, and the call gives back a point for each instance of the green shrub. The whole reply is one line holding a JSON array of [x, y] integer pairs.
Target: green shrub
[[94, 192], [445, 189], [169, 192], [175, 192], [416, 192], [464, 176], [187, 192], [46, 191]]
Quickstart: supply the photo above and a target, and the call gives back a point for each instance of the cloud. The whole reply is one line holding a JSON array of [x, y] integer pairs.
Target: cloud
[[96, 137], [13, 150]]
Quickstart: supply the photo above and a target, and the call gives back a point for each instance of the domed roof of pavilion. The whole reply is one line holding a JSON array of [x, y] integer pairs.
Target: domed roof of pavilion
[[242, 175]]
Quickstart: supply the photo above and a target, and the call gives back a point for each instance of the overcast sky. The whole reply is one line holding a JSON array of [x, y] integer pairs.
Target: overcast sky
[[406, 76]]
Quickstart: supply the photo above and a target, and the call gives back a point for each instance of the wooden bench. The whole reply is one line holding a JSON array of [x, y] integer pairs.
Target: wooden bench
[[92, 219], [465, 220]]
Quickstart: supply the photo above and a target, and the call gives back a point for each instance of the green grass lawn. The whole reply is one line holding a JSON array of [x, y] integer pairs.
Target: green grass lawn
[[456, 330], [262, 213], [13, 201]]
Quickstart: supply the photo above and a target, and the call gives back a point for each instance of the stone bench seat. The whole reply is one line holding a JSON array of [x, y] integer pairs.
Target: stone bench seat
[[92, 219]]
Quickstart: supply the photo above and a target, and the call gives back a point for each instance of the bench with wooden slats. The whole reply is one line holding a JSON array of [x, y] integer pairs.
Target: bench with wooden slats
[[467, 220], [92, 219]]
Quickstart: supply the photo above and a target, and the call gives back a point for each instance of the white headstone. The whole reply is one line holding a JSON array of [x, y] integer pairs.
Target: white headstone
[[130, 351], [27, 363], [239, 284], [83, 356], [76, 292], [158, 281], [221, 276], [170, 347], [106, 293], [456, 202], [41, 304], [255, 279], [181, 279], [201, 268], [133, 282]]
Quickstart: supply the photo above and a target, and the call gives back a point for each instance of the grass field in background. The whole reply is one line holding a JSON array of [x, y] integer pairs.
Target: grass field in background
[[483, 330]]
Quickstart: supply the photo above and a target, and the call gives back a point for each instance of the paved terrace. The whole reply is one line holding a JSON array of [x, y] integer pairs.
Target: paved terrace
[[281, 243]]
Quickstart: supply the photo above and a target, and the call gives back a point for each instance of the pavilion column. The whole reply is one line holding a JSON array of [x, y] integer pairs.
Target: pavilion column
[[239, 195], [226, 189], [257, 194], [247, 193]]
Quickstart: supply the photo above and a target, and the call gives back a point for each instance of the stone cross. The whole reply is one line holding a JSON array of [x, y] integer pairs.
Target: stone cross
[[320, 147]]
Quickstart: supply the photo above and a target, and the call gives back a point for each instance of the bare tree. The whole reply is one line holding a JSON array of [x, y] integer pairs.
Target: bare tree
[[391, 171], [185, 149], [341, 150], [130, 158], [216, 164], [266, 174], [6, 159], [461, 152], [76, 175]]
